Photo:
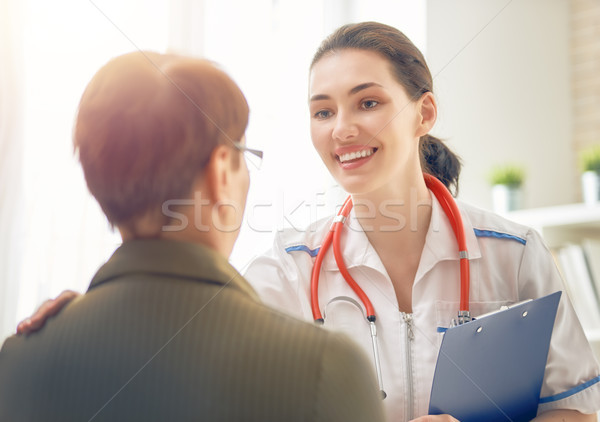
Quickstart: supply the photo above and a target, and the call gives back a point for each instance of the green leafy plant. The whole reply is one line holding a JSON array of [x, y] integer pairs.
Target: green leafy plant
[[508, 174], [590, 159]]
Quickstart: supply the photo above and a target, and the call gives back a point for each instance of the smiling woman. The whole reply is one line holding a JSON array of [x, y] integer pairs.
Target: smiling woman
[[380, 107], [371, 109]]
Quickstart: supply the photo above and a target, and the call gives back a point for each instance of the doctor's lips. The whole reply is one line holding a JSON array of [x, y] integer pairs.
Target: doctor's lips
[[354, 154]]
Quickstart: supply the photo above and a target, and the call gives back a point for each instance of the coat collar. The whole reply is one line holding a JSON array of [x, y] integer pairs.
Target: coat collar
[[441, 243], [172, 259]]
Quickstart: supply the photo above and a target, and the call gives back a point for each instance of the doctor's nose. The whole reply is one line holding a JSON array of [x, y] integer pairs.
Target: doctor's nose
[[345, 128]]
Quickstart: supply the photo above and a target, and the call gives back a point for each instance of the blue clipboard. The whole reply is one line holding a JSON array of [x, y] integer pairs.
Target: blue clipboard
[[491, 369]]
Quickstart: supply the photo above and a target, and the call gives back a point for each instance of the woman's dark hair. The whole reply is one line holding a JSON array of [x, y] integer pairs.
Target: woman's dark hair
[[411, 71]]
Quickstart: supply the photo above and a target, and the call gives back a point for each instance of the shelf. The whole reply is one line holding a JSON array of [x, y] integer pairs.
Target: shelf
[[560, 215], [561, 224]]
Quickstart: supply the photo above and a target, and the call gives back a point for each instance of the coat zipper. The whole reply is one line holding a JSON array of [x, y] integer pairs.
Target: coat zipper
[[408, 320]]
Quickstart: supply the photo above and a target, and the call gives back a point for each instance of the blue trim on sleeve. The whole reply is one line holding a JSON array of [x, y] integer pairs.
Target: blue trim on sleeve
[[441, 329], [498, 235], [570, 392], [303, 248]]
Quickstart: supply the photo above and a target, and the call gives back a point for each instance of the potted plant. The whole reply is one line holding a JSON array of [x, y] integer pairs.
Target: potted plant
[[590, 177], [507, 181]]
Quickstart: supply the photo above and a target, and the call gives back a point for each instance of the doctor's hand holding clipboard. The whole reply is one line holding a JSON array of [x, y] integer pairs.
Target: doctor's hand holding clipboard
[[402, 256]]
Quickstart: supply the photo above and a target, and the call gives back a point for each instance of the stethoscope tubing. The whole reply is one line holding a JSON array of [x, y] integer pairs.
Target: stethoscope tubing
[[333, 236], [450, 208], [339, 259]]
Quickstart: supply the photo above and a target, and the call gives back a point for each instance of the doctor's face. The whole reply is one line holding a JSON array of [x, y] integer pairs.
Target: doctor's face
[[363, 124]]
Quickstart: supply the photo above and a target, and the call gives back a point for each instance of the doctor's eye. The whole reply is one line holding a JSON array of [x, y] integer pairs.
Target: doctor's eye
[[368, 104], [322, 114]]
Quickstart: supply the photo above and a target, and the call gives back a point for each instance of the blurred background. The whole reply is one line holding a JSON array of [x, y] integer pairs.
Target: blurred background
[[517, 81]]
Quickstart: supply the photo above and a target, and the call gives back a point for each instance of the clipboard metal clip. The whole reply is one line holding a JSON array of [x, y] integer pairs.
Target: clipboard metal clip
[[463, 318], [504, 308]]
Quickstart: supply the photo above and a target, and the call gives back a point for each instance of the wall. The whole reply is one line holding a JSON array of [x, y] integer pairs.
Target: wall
[[502, 78], [585, 58]]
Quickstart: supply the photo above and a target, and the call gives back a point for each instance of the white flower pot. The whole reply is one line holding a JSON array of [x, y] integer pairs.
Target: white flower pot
[[506, 198], [590, 187]]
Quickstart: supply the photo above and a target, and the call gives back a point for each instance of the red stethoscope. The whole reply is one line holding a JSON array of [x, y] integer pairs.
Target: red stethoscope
[[451, 210]]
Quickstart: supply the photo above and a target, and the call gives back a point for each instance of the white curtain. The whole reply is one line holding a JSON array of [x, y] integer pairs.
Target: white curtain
[[54, 235], [11, 203]]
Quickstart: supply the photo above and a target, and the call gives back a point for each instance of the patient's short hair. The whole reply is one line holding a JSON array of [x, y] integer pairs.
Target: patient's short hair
[[146, 126]]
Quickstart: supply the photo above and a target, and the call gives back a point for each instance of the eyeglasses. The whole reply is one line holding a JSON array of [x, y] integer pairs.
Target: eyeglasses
[[253, 156]]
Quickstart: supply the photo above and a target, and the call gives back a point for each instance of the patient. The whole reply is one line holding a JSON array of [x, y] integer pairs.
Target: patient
[[168, 330]]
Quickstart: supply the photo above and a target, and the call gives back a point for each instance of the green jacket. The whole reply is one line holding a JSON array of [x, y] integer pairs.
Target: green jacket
[[169, 331]]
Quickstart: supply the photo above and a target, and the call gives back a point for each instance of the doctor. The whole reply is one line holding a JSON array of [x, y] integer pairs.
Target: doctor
[[371, 109]]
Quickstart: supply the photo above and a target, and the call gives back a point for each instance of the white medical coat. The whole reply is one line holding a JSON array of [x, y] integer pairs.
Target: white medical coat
[[509, 263]]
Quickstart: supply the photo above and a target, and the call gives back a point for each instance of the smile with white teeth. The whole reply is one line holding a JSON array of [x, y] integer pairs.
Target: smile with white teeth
[[349, 156]]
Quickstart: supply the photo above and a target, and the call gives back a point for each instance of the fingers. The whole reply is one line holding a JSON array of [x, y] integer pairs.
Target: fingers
[[37, 320], [46, 310], [23, 326], [63, 299]]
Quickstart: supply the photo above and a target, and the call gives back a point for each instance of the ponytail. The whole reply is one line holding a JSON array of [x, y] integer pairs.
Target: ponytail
[[439, 161]]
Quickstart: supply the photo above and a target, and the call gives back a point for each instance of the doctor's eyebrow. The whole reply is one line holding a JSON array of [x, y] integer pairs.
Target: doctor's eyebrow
[[360, 87], [357, 88]]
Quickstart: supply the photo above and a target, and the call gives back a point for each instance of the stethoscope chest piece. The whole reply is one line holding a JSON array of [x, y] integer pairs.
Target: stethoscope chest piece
[[373, 332]]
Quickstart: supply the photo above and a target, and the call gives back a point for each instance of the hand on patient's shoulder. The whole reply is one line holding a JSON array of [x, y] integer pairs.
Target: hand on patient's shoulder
[[46, 310]]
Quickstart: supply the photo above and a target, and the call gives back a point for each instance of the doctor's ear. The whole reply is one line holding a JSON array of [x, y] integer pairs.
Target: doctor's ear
[[427, 113]]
